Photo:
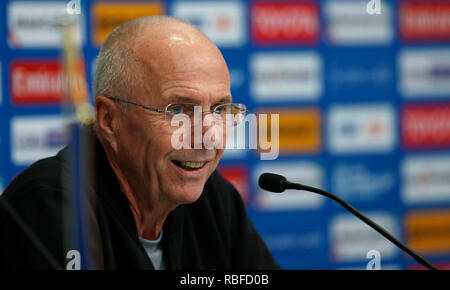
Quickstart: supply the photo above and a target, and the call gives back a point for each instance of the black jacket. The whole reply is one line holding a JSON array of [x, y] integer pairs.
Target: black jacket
[[214, 232]]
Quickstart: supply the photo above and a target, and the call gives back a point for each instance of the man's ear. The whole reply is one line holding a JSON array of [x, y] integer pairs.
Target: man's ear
[[105, 111]]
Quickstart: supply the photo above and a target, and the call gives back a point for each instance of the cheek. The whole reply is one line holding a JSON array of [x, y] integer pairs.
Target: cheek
[[159, 140], [219, 153]]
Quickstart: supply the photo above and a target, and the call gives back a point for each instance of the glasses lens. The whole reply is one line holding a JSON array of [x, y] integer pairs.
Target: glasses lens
[[175, 109], [239, 112], [236, 112]]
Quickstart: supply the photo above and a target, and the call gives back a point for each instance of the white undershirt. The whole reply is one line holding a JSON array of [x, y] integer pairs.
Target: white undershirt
[[154, 251]]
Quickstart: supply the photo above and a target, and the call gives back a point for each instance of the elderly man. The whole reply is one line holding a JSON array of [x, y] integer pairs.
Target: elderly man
[[156, 207]]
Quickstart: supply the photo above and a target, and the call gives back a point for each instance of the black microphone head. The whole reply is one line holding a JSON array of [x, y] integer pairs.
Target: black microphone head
[[272, 182]]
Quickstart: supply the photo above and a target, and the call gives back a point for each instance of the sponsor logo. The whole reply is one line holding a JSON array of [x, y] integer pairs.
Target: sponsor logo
[[299, 131], [107, 16], [362, 182], [426, 179], [37, 24], [237, 175], [426, 126], [36, 81], [428, 232], [33, 138], [349, 24], [424, 21], [293, 240], [424, 73], [224, 22], [362, 73], [286, 76], [304, 172], [41, 81], [285, 23], [351, 239], [361, 128]]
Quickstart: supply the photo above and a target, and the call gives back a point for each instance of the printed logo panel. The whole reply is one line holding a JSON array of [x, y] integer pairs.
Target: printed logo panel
[[36, 81], [223, 22], [351, 239], [427, 232], [361, 129], [348, 23], [356, 75], [107, 16], [289, 244], [304, 172], [424, 73], [37, 24], [294, 235], [285, 23], [237, 175], [426, 179], [33, 138], [424, 21], [41, 81], [299, 130], [286, 76], [363, 181], [426, 126]]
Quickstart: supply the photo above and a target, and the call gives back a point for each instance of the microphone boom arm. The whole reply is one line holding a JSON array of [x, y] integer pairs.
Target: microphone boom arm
[[289, 185]]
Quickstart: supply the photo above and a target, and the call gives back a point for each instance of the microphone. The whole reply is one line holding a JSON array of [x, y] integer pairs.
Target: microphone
[[277, 183]]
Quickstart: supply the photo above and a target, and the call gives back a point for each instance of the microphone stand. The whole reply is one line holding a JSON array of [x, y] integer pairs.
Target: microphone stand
[[289, 185]]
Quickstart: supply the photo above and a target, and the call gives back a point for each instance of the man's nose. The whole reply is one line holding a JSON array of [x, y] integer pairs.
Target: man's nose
[[203, 118]]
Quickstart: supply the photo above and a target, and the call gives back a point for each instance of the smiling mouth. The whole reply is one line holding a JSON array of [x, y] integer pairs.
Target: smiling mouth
[[189, 165]]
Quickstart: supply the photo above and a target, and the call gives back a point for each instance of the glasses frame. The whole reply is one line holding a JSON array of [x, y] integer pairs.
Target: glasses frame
[[165, 111]]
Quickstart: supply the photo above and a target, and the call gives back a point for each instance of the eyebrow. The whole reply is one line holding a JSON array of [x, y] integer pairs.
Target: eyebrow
[[182, 99]]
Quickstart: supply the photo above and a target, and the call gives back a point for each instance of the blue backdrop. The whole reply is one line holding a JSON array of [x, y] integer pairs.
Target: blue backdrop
[[363, 99]]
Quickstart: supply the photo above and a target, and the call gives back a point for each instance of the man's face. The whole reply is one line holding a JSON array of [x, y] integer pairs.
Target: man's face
[[190, 74]]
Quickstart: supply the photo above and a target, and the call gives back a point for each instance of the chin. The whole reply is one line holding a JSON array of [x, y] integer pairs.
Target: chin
[[187, 194]]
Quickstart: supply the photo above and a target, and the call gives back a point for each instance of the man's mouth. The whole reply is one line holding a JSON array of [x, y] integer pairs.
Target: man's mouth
[[189, 165]]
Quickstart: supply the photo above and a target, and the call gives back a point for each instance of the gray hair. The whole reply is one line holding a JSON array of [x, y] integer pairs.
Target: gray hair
[[117, 70]]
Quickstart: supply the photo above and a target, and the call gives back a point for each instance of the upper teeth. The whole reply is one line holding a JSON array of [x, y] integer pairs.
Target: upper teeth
[[188, 164]]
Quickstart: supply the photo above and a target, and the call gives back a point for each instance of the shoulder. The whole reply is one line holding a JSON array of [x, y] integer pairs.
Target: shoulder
[[31, 216], [43, 176]]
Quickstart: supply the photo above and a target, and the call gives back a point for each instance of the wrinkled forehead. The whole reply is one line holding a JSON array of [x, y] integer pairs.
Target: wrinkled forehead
[[183, 67]]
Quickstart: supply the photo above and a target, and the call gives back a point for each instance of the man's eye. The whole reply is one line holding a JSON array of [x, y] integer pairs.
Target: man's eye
[[222, 109], [177, 109], [219, 109]]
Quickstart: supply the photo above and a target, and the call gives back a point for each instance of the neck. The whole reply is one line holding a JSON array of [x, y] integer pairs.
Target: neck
[[148, 208]]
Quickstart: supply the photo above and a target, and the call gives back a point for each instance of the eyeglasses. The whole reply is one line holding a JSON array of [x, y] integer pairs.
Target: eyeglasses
[[235, 110]]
